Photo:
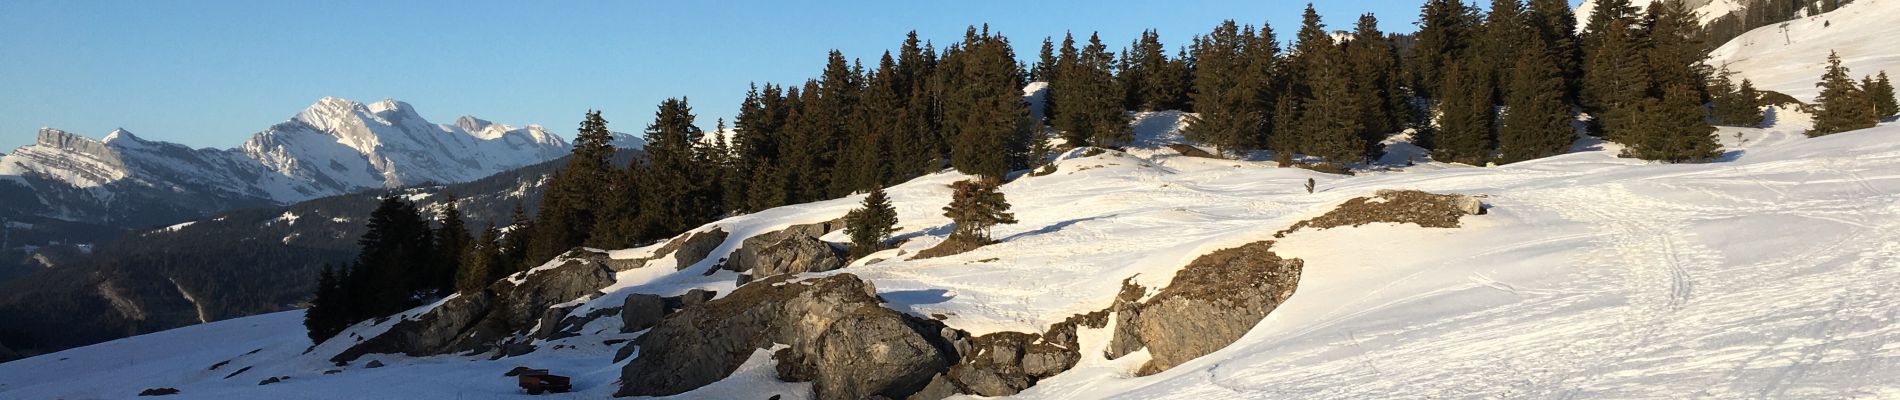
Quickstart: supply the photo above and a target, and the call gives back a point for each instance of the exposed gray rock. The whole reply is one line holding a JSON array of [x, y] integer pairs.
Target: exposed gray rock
[[641, 311], [838, 335], [792, 250], [374, 364], [502, 313], [939, 388], [1210, 303]]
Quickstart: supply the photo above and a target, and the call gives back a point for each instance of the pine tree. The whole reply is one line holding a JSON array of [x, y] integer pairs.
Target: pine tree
[[1732, 105], [872, 224], [1374, 84], [868, 161], [674, 190], [1333, 122], [1672, 129], [394, 265], [1612, 58], [984, 116], [329, 312], [1885, 106], [570, 205], [768, 188], [514, 246], [1554, 21], [481, 262], [1465, 121], [975, 207], [1506, 29], [1225, 94], [1536, 120], [1045, 62], [451, 241], [1843, 105], [1446, 30], [1092, 111]]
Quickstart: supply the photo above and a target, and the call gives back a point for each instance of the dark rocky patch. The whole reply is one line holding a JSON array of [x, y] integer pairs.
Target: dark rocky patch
[[1428, 210], [235, 374], [1211, 302], [163, 391], [1191, 151]]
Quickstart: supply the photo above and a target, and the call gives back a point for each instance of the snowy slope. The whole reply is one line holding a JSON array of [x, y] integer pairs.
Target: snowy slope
[[1706, 10], [1791, 62], [1769, 274]]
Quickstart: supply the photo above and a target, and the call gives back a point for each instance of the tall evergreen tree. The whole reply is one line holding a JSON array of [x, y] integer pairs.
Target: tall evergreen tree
[[451, 240], [871, 224], [1446, 30], [1616, 78], [768, 188], [394, 264], [1333, 122], [569, 204], [481, 262], [1465, 122], [1374, 83], [975, 207], [1506, 29], [514, 246], [1225, 94], [1843, 105], [1732, 105], [1673, 128], [329, 312], [984, 115], [1092, 102], [1556, 24], [1045, 62], [1536, 120], [1885, 105], [676, 198]]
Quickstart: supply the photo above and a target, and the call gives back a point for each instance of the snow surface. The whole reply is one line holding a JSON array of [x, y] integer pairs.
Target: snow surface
[[1791, 62], [1772, 273]]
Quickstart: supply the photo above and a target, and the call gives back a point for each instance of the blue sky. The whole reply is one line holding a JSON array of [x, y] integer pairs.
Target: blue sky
[[209, 74]]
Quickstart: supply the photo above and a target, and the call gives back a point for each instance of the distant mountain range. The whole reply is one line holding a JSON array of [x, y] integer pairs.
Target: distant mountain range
[[67, 188]]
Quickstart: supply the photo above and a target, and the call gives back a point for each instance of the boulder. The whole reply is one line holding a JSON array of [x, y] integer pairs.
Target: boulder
[[837, 334], [792, 250], [641, 311], [1210, 303], [502, 313]]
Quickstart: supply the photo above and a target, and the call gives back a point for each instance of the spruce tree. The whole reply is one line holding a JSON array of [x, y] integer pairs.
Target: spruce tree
[[570, 204], [480, 263], [1225, 93], [1732, 105], [514, 246], [1374, 84], [1446, 30], [1672, 128], [329, 312], [1045, 62], [984, 117], [975, 207], [1536, 120], [872, 224], [1554, 21], [1843, 105], [1092, 111], [1612, 58], [674, 190], [768, 188], [394, 264], [451, 240], [1333, 122], [1465, 121], [1506, 30], [1885, 106]]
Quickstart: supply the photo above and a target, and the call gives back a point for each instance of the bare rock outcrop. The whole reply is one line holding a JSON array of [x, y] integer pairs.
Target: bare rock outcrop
[[1430, 210], [1210, 303], [494, 318], [792, 250], [686, 249], [836, 333]]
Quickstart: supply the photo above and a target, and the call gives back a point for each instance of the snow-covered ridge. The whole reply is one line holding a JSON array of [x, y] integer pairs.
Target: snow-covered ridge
[[334, 146]]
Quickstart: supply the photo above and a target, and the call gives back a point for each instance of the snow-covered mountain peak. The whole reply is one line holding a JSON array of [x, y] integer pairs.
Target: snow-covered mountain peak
[[472, 124]]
